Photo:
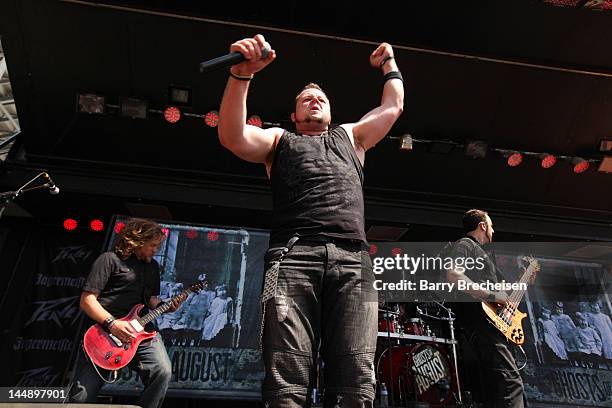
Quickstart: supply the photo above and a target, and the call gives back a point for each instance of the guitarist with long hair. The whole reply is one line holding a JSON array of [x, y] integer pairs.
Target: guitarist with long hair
[[119, 280], [500, 376]]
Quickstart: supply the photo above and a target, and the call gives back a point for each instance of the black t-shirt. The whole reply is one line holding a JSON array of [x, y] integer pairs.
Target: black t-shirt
[[468, 309], [122, 284]]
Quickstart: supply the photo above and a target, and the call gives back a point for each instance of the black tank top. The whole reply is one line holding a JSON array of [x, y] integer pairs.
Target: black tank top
[[317, 187]]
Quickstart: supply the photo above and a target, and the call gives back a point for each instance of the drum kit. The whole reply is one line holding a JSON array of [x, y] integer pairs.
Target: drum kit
[[416, 357]]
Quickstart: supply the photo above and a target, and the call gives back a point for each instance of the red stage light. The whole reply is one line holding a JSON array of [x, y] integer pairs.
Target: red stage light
[[213, 236], [119, 226], [192, 234], [373, 249], [396, 251], [166, 231], [70, 224], [548, 161], [580, 165], [96, 225], [212, 118], [254, 120], [515, 159], [172, 114]]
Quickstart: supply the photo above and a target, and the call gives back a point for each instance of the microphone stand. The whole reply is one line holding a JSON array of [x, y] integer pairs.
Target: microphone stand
[[10, 139], [8, 196], [391, 385], [451, 326]]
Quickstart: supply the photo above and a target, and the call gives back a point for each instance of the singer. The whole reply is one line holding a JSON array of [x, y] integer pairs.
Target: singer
[[318, 292]]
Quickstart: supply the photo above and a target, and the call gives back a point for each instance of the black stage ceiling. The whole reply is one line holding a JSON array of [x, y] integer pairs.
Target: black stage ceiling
[[543, 83]]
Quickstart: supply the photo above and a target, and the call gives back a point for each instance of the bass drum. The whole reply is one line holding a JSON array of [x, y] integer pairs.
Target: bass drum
[[419, 372]]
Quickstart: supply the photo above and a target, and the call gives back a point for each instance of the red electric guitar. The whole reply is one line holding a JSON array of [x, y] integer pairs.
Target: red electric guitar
[[108, 352]]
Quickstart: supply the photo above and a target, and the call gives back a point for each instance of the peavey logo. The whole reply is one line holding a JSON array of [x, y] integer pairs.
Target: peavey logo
[[42, 376], [76, 254], [56, 310]]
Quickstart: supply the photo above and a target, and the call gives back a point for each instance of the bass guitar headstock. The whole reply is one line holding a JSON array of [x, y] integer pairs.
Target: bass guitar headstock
[[530, 265]]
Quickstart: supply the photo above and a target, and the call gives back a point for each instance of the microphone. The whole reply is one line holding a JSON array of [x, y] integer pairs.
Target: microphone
[[228, 60], [53, 189]]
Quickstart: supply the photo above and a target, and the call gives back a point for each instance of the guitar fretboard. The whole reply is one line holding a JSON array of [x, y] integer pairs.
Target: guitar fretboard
[[158, 311], [507, 312]]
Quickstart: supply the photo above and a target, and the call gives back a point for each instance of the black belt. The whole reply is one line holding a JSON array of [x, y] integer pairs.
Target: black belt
[[318, 240]]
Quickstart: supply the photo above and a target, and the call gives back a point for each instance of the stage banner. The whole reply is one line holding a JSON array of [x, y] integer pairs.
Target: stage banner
[[568, 333], [213, 338], [231, 372], [568, 386], [45, 314]]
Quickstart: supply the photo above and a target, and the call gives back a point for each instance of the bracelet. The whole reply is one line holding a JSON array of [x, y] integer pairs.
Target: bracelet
[[241, 77], [111, 324], [108, 323], [385, 61], [393, 75]]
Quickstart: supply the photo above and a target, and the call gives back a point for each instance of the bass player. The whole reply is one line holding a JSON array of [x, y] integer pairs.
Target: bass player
[[500, 376]]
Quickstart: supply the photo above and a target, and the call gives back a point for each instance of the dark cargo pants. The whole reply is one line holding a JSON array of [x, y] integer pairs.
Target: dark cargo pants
[[324, 302], [500, 377]]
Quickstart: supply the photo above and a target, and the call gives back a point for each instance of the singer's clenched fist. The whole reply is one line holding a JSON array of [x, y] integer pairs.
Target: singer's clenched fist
[[380, 54], [252, 49]]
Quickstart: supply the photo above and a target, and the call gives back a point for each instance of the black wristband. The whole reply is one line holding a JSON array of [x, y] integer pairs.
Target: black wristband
[[108, 322], [392, 75], [385, 61]]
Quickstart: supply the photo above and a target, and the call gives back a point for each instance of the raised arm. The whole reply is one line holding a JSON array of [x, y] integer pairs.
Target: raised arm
[[245, 141], [372, 127]]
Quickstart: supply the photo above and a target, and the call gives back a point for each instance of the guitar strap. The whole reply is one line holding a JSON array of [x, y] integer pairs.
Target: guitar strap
[[142, 282], [498, 272], [490, 256]]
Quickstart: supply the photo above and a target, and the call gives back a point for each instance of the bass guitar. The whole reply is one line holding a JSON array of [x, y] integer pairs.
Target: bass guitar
[[507, 318]]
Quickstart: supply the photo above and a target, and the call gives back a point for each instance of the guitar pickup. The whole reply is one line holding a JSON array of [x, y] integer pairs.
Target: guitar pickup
[[137, 326], [115, 340]]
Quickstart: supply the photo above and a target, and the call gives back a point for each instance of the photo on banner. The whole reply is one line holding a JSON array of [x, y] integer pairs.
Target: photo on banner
[[569, 341]]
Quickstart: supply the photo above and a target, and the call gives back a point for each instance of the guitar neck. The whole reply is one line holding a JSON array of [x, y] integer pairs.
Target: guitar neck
[[517, 295], [158, 311]]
